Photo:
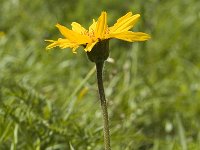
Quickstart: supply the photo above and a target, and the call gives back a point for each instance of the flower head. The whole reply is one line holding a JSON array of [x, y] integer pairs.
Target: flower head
[[98, 32]]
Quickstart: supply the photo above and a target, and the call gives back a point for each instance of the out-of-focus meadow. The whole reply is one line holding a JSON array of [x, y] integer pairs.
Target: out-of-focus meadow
[[49, 100]]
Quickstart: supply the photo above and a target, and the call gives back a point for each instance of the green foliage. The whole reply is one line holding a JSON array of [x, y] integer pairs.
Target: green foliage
[[48, 100]]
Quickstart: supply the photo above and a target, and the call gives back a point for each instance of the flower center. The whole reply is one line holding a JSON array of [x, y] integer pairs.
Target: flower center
[[91, 34]]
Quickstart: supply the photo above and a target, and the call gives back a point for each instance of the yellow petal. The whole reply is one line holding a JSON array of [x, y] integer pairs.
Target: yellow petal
[[73, 36], [120, 20], [125, 23], [62, 43], [90, 46], [130, 36], [101, 25], [93, 26], [129, 14], [74, 49], [52, 45], [78, 28], [65, 43]]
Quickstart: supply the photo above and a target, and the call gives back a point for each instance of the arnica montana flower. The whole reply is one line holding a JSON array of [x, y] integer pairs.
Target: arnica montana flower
[[96, 43], [98, 32]]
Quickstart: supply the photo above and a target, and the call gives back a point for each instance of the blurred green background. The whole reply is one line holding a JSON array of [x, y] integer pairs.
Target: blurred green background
[[49, 100]]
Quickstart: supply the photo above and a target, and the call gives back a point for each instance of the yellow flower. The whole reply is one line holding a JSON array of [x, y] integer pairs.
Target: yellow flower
[[98, 32]]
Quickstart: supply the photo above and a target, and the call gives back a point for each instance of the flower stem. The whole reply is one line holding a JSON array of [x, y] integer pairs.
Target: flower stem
[[99, 67]]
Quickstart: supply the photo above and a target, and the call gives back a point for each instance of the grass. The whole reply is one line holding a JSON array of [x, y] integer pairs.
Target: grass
[[48, 100]]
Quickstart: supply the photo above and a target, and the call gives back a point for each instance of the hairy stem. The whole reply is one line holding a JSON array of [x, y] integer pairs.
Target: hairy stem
[[99, 67]]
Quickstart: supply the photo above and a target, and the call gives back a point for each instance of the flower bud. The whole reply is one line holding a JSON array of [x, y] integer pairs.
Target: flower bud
[[99, 52]]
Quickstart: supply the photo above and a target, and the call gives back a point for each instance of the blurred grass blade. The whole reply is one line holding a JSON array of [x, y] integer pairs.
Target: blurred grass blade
[[56, 147], [156, 144], [15, 138], [5, 133], [73, 98], [71, 147], [181, 133], [38, 143]]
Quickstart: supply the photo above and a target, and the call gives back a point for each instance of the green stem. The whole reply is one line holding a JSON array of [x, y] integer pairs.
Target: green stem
[[99, 67]]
